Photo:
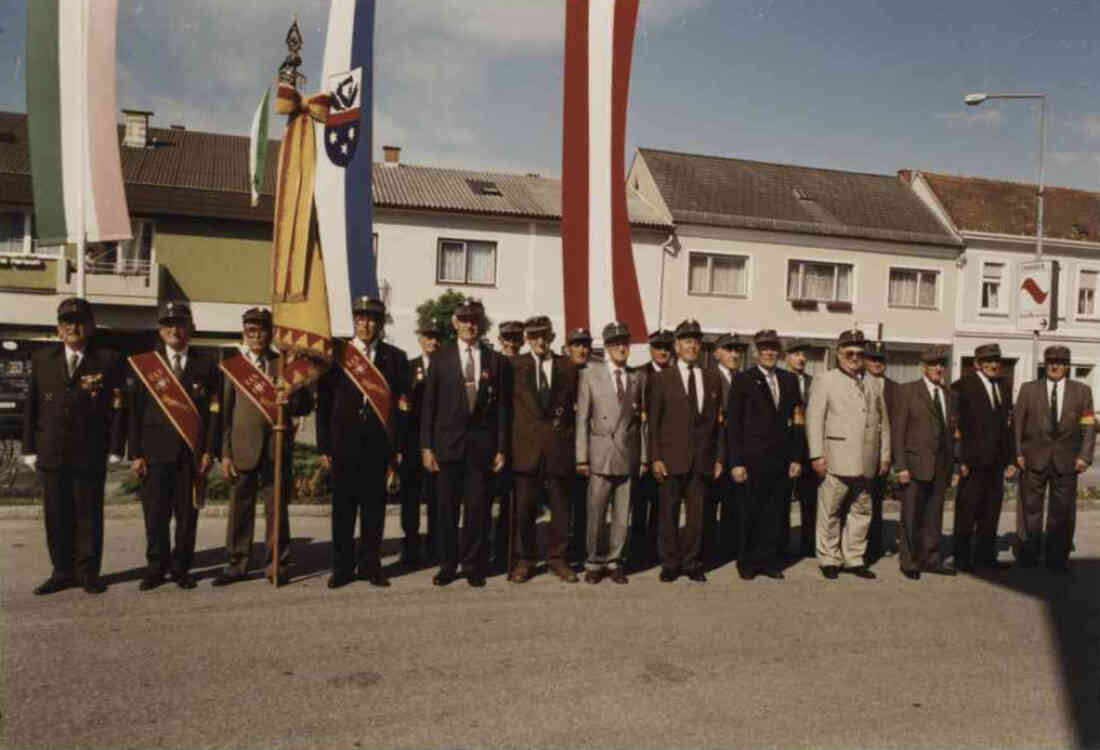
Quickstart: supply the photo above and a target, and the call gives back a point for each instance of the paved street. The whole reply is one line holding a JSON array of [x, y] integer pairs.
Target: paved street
[[1010, 661]]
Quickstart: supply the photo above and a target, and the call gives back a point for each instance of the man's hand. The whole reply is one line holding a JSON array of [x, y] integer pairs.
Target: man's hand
[[795, 470], [228, 471], [964, 470], [139, 467], [883, 468], [1080, 465], [821, 465], [1021, 462], [660, 471], [717, 469], [498, 463], [582, 469], [205, 463], [31, 461], [282, 397], [739, 474], [643, 470], [326, 462], [1010, 471], [954, 479], [427, 459], [904, 477], [114, 458], [398, 458]]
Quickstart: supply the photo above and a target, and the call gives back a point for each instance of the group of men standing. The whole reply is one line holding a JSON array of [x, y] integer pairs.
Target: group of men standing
[[463, 425]]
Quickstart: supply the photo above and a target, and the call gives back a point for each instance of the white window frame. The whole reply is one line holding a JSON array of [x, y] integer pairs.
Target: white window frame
[[1081, 267], [1002, 309], [28, 240], [821, 262], [916, 269], [466, 265], [710, 254]]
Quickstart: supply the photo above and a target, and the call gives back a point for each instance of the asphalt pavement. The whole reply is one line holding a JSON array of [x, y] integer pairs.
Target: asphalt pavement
[[1009, 659]]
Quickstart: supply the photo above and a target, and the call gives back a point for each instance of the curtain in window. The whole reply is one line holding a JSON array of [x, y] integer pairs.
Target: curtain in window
[[903, 287], [926, 294], [481, 262], [11, 232], [1086, 294], [697, 274], [818, 281], [793, 292], [728, 275], [452, 262]]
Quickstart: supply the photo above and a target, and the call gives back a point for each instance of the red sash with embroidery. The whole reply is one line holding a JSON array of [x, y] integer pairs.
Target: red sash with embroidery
[[252, 382], [172, 398], [370, 380]]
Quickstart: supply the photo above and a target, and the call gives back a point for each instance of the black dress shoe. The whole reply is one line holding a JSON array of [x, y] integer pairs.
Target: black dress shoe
[[224, 579], [618, 575], [184, 580], [52, 585], [336, 580], [861, 571], [443, 578], [668, 576], [151, 581], [94, 585], [378, 578], [747, 574], [476, 580], [912, 575], [993, 564], [698, 576], [284, 578], [593, 576], [940, 570], [830, 571], [965, 566], [773, 573]]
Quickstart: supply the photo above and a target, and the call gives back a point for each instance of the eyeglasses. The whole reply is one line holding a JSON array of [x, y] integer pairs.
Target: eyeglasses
[[854, 354], [255, 333]]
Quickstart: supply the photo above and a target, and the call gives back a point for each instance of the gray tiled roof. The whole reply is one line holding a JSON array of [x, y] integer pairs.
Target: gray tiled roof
[[193, 173], [720, 191]]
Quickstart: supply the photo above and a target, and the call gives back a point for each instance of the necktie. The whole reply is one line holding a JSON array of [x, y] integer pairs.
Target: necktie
[[1054, 405], [543, 386], [773, 387], [73, 362], [939, 406], [468, 375], [619, 390], [177, 368], [693, 393], [996, 395]]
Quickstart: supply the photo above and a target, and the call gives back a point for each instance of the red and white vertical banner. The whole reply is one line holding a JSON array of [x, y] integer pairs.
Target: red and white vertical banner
[[601, 284]]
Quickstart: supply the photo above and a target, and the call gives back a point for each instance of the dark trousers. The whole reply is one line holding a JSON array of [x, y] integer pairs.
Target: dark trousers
[[876, 544], [529, 488], [922, 522], [358, 490], [720, 524], [1061, 516], [241, 524], [978, 509], [681, 552], [166, 492], [643, 520], [577, 489], [417, 486], [764, 501], [462, 487], [506, 500], [73, 508]]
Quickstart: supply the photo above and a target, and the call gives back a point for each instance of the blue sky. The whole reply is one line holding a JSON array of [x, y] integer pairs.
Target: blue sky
[[859, 85]]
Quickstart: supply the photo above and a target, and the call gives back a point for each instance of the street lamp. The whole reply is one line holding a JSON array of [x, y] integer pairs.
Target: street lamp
[[974, 100]]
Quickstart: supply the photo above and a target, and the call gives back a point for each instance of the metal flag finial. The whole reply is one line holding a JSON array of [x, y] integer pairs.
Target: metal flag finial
[[288, 71]]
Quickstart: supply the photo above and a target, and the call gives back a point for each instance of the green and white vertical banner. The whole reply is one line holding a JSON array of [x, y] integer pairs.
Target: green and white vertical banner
[[257, 147], [75, 168]]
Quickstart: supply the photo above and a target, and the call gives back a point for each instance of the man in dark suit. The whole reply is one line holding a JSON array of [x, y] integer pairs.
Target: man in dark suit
[[805, 484], [578, 349], [987, 452], [924, 454], [72, 426], [361, 449], [510, 341], [643, 498], [685, 449], [163, 459], [417, 484], [764, 447], [875, 357], [248, 456], [544, 394], [465, 431], [720, 512], [1055, 439]]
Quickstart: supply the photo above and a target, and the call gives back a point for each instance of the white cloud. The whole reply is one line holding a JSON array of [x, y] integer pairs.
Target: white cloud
[[1088, 125], [966, 117]]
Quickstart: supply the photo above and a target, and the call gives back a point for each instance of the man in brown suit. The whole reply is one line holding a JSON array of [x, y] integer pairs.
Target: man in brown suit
[[684, 446], [643, 500], [544, 395], [924, 455], [875, 362], [248, 458], [1055, 438]]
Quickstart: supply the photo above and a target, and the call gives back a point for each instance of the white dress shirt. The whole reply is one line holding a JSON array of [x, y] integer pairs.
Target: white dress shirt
[[727, 373], [1061, 394], [364, 348], [463, 348], [698, 381], [69, 354], [612, 368], [935, 392], [546, 365], [989, 386], [170, 354], [772, 381]]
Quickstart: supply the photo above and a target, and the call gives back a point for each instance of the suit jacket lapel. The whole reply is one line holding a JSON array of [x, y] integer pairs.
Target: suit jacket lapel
[[606, 382]]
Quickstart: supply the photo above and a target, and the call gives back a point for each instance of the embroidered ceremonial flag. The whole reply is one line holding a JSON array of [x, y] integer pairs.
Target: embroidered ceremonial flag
[[342, 189], [75, 168], [601, 283], [257, 147]]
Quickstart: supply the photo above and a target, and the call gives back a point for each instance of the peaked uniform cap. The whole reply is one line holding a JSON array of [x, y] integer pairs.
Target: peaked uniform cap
[[689, 328], [430, 327], [988, 351], [174, 311], [258, 315], [875, 350], [727, 341], [615, 331], [661, 338], [852, 337], [470, 308], [368, 306], [935, 354], [74, 308], [1056, 353], [538, 324], [511, 328], [579, 336], [798, 345], [767, 336]]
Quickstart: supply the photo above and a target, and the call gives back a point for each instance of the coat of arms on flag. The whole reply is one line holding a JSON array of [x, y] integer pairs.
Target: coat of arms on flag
[[342, 126]]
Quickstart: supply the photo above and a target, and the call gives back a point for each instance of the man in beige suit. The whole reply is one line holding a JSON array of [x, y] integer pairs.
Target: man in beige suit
[[1055, 438], [248, 457], [848, 432]]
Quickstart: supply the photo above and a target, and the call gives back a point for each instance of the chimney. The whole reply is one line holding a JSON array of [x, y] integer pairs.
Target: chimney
[[391, 156], [906, 176], [137, 128]]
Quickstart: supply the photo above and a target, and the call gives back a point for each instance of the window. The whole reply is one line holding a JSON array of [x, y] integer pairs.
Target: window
[[1086, 293], [993, 294], [819, 282], [467, 262], [12, 232], [723, 275], [913, 288], [132, 257]]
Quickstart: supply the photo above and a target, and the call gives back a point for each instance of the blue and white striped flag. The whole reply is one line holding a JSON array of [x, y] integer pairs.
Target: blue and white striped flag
[[342, 187]]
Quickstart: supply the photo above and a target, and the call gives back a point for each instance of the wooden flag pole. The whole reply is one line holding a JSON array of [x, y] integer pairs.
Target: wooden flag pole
[[277, 491]]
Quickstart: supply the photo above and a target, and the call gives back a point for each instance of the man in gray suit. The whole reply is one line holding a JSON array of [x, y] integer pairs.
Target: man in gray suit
[[848, 433], [611, 449], [1055, 438], [248, 457], [923, 433]]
